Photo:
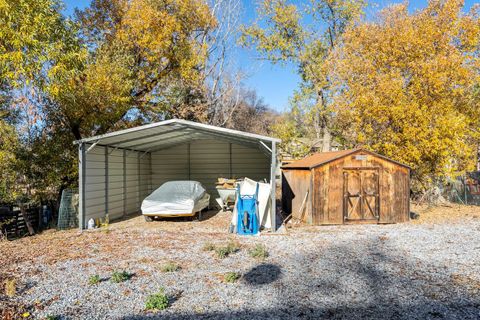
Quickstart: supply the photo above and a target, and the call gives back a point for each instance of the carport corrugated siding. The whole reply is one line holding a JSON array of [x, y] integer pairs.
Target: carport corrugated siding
[[169, 164], [95, 183], [115, 183], [252, 163], [133, 175], [145, 176], [132, 182], [209, 160], [128, 182]]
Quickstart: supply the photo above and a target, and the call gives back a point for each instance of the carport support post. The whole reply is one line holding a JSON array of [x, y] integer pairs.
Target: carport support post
[[106, 180], [81, 186], [273, 204], [124, 182]]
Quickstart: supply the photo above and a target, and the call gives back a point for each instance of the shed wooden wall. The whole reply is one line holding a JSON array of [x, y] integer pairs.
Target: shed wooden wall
[[325, 202], [328, 182], [295, 184]]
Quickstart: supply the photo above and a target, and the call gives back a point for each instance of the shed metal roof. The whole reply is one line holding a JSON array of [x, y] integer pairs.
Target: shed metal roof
[[322, 158], [160, 135]]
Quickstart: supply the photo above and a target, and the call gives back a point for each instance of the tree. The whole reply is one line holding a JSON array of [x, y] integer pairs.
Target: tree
[[140, 57], [407, 85], [282, 36], [29, 31], [251, 114], [8, 145], [117, 64], [30, 35]]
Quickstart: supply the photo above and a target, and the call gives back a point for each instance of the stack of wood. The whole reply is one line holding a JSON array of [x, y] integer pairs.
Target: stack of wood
[[224, 183]]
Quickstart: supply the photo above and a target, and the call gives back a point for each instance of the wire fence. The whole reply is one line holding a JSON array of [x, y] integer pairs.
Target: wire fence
[[464, 190], [68, 211]]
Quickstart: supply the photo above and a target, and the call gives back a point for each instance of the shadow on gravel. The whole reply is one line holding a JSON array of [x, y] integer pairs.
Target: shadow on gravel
[[262, 274], [368, 281]]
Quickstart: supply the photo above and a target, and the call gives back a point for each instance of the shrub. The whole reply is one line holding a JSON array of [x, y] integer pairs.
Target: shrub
[[208, 246], [93, 280], [10, 287], [231, 277], [120, 276], [258, 252], [157, 301], [170, 267], [223, 252]]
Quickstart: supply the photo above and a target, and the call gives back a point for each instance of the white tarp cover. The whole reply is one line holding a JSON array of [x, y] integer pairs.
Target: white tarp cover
[[176, 198], [248, 187]]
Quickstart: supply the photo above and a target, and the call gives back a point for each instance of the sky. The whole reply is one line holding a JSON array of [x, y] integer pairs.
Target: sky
[[274, 83]]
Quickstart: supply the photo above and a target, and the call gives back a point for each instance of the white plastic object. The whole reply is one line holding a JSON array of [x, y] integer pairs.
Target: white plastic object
[[91, 224], [248, 187], [176, 198], [220, 202]]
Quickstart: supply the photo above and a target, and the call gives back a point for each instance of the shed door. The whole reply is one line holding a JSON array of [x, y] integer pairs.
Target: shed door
[[361, 196]]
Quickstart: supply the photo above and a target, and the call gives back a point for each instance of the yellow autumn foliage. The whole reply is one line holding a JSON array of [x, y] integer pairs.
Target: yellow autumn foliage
[[134, 52], [407, 86]]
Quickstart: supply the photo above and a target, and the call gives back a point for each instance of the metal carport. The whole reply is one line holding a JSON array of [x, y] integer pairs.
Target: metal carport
[[118, 170]]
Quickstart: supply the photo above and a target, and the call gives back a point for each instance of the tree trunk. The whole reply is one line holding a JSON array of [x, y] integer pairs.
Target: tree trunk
[[326, 139]]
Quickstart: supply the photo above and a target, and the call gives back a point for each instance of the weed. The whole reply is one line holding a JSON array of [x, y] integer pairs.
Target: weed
[[208, 246], [157, 301], [383, 238], [106, 221], [10, 287], [258, 252], [118, 277], [223, 252], [93, 280], [231, 277], [170, 267]]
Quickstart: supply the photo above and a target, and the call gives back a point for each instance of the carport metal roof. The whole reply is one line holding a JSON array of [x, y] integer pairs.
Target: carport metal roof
[[161, 135]]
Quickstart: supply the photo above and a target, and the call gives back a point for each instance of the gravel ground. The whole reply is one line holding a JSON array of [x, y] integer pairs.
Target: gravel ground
[[416, 270]]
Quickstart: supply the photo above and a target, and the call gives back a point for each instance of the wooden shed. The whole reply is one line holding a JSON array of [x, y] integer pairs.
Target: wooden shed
[[348, 186]]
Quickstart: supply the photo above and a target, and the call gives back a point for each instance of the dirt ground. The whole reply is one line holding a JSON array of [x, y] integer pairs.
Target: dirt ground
[[428, 268]]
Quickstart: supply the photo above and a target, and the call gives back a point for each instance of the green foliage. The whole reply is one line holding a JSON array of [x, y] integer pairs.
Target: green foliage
[[225, 251], [122, 276], [280, 33], [8, 161], [287, 129], [157, 301], [170, 267], [258, 252], [93, 280], [34, 36], [283, 38], [30, 30], [231, 277], [51, 317]]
